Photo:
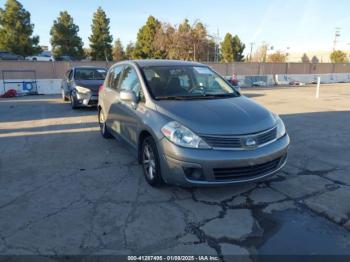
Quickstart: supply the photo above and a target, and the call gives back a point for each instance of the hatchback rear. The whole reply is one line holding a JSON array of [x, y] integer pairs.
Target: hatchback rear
[[188, 125]]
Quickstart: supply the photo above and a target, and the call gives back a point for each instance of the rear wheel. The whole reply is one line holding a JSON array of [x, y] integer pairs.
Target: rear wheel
[[150, 162], [103, 127], [64, 98]]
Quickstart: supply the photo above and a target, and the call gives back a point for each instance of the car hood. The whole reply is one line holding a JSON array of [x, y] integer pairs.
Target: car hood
[[93, 85], [231, 116]]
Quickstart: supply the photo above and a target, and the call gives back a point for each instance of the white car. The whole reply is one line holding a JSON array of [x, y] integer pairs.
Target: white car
[[44, 56]]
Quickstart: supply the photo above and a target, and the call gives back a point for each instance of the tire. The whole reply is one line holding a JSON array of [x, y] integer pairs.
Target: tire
[[64, 98], [150, 162], [73, 102], [103, 127], [34, 59]]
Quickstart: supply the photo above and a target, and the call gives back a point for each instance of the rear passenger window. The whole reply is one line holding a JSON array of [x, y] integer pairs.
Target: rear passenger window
[[114, 77]]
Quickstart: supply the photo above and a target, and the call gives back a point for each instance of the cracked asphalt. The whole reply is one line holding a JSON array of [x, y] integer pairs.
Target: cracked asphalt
[[66, 191]]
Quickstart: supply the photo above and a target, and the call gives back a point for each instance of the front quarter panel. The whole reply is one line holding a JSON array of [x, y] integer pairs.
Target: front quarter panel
[[152, 122]]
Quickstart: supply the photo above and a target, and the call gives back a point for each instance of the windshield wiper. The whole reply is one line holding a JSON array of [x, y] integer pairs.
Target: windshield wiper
[[222, 95], [170, 97], [210, 96], [201, 96]]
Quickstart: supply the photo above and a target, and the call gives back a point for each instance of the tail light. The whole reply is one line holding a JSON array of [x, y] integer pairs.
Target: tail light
[[100, 89]]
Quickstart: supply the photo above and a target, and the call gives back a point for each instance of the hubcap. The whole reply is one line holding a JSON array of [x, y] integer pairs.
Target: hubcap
[[149, 163]]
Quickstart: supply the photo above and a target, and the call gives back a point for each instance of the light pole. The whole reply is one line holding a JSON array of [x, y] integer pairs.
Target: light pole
[[336, 35], [251, 51], [287, 53]]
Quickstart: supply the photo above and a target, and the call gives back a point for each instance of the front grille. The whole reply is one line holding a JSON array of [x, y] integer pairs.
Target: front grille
[[266, 137], [224, 142], [246, 171], [93, 102], [236, 142]]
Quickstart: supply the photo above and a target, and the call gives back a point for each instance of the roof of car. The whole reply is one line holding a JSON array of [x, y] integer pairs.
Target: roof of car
[[160, 62]]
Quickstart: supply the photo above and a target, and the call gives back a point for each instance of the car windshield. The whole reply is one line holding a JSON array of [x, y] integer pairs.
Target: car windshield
[[90, 74], [186, 82]]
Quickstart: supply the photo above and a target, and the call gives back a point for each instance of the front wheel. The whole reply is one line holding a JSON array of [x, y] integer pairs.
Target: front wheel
[[150, 162], [73, 101], [103, 127]]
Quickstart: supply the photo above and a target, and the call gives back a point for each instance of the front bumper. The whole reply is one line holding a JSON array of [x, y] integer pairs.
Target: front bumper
[[87, 99], [221, 167]]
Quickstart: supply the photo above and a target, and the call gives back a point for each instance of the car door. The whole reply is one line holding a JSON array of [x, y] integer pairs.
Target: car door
[[110, 97], [124, 113]]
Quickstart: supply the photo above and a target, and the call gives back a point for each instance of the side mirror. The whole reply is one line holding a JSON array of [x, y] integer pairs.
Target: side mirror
[[128, 96]]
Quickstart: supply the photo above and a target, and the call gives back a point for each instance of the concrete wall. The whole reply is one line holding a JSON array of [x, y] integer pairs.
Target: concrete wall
[[49, 74], [53, 86], [45, 86], [56, 70]]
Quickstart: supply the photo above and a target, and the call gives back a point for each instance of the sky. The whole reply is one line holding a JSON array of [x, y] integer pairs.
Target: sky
[[300, 25]]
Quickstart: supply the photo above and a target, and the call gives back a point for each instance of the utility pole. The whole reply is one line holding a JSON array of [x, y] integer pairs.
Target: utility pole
[[217, 46]]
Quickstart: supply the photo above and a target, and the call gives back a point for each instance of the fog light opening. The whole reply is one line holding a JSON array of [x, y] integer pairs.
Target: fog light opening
[[193, 173]]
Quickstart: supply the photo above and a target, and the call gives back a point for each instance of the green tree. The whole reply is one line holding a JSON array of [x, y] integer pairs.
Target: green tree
[[232, 49], [16, 30], [338, 56], [64, 37], [305, 58], [144, 47], [100, 39], [238, 49], [227, 49], [129, 51], [118, 51], [315, 60]]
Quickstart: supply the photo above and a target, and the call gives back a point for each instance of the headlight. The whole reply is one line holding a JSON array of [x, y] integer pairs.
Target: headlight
[[82, 90], [182, 136], [281, 129]]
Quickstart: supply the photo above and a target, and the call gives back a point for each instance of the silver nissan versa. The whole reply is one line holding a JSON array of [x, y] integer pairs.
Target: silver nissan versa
[[189, 126]]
